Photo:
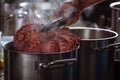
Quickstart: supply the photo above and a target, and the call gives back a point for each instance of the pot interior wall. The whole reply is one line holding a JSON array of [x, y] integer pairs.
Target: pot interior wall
[[93, 33]]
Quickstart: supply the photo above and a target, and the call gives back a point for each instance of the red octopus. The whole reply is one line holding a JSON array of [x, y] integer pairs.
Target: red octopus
[[30, 39]]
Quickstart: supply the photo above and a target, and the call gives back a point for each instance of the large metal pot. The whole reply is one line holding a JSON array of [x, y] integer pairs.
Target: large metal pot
[[39, 66], [96, 56], [2, 15]]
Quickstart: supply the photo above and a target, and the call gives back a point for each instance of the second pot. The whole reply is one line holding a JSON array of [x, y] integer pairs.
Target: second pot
[[96, 56]]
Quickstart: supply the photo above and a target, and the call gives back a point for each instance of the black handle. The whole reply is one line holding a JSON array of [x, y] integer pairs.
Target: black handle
[[39, 66]]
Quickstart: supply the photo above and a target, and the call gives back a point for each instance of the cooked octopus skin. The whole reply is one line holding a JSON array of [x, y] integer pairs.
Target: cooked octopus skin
[[29, 38]]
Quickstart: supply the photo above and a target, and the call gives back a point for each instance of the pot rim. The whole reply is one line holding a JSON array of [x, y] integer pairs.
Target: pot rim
[[41, 53], [100, 29], [112, 5]]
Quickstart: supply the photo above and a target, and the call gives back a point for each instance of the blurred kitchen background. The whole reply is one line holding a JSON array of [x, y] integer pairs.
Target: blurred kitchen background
[[93, 16], [98, 16]]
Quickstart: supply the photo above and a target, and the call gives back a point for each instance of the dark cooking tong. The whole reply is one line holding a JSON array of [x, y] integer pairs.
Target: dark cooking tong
[[56, 23]]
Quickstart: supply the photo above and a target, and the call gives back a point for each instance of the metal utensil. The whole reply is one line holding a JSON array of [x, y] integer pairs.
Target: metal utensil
[[56, 23]]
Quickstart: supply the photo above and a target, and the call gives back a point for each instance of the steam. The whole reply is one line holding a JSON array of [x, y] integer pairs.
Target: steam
[[35, 11], [40, 11]]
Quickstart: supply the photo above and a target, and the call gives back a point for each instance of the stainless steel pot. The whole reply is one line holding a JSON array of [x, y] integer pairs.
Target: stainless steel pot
[[2, 15], [35, 66], [96, 56]]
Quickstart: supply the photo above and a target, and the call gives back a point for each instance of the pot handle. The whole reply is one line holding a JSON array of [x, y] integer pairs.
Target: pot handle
[[115, 45], [39, 66]]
